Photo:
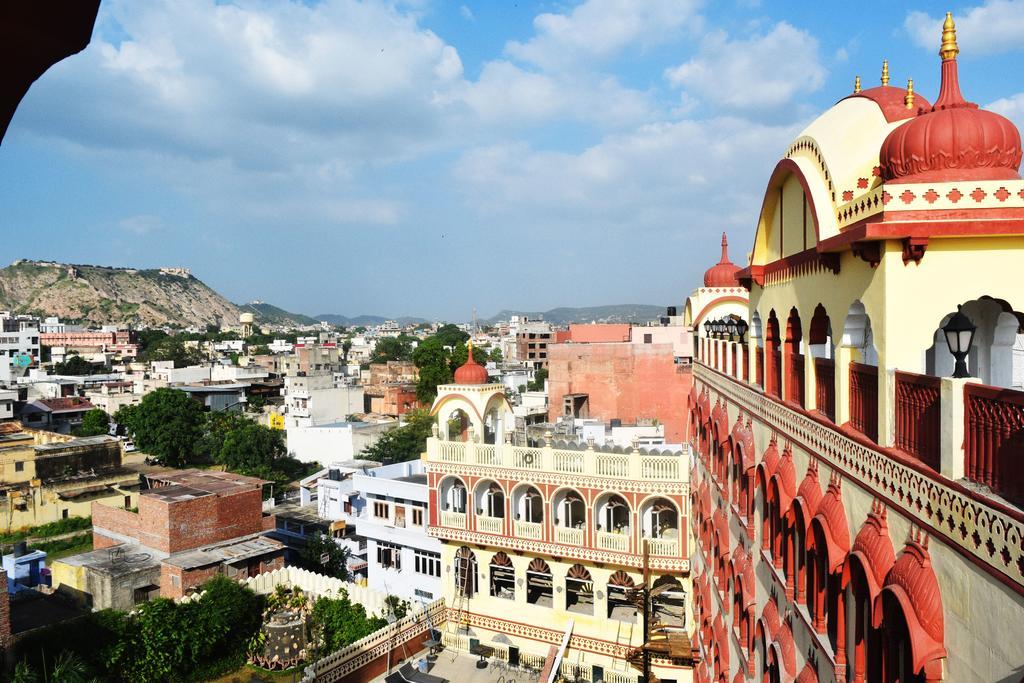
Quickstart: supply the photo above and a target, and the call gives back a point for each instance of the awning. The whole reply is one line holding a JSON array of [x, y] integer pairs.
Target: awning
[[339, 525]]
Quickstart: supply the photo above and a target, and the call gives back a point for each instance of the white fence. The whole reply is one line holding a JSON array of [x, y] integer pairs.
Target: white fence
[[316, 585]]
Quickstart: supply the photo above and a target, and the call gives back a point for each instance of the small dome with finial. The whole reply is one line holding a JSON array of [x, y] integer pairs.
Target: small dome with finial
[[723, 273], [954, 139], [471, 372]]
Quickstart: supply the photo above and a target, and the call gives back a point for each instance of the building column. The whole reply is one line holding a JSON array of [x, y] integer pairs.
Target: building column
[[844, 355]]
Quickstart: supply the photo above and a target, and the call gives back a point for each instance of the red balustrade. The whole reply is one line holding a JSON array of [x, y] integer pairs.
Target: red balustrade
[[735, 361], [994, 442], [775, 372], [825, 385], [864, 399], [795, 380], [744, 365], [918, 417], [760, 367]]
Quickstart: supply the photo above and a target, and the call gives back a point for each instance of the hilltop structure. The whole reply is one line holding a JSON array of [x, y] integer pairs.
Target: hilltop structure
[[856, 495]]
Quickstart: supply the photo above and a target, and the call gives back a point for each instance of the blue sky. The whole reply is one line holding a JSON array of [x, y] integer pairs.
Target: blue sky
[[428, 157]]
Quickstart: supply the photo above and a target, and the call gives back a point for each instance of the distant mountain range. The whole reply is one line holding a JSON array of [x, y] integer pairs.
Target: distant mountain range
[[619, 313], [366, 320]]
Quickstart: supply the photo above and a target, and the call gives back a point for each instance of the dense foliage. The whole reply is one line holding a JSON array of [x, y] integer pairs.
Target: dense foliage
[[167, 424], [161, 641], [340, 622], [320, 548], [539, 378], [404, 443], [94, 423], [61, 526], [76, 365], [392, 348], [438, 356], [173, 428], [173, 349]]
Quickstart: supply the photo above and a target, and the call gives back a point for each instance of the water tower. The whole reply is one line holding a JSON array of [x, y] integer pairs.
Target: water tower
[[247, 320]]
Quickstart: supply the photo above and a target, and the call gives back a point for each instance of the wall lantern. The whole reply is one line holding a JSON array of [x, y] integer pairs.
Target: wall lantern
[[959, 333], [741, 328], [707, 327], [730, 327]]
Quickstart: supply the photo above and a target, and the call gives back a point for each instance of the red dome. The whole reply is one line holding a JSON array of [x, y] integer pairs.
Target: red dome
[[954, 140], [722, 274], [471, 372]]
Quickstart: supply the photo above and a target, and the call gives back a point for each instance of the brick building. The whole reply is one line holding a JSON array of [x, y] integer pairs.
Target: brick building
[[190, 525]]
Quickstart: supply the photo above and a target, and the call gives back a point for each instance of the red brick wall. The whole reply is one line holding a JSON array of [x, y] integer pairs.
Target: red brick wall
[[99, 541], [187, 524], [5, 612], [624, 381]]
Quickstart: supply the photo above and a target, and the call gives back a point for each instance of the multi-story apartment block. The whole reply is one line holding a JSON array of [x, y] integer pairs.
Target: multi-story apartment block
[[311, 400], [19, 343], [542, 544], [857, 487]]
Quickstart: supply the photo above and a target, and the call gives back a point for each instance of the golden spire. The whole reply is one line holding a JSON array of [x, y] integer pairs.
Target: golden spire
[[908, 99], [885, 72], [856, 84], [949, 49]]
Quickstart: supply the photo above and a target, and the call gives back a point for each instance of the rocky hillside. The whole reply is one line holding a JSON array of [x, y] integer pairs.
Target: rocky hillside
[[97, 294]]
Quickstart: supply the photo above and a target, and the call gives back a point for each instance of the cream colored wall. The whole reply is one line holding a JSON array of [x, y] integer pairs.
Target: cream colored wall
[[44, 506]]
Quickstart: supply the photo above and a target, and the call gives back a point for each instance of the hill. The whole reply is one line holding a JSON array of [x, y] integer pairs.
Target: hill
[[267, 314], [105, 295], [366, 320], [618, 313]]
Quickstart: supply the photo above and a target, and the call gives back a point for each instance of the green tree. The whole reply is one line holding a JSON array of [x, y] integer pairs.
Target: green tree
[[259, 350], [94, 423], [75, 365], [168, 425], [250, 446], [451, 335], [342, 622], [23, 673], [434, 363], [323, 556], [346, 348], [391, 348], [173, 349], [538, 380], [124, 417], [495, 355], [404, 443]]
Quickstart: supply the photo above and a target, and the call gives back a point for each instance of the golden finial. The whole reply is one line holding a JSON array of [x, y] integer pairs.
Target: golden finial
[[856, 84], [885, 72], [949, 49], [908, 99]]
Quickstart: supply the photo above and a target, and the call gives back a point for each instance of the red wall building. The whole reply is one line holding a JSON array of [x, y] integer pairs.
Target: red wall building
[[622, 380]]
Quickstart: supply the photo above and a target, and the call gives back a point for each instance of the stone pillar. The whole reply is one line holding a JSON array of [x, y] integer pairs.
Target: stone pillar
[[844, 354], [886, 407], [951, 437]]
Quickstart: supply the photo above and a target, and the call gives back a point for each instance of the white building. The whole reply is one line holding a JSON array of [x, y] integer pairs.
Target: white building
[[280, 346], [334, 441], [317, 400], [389, 508], [19, 344]]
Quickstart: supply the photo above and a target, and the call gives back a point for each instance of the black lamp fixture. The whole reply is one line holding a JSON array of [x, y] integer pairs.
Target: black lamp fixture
[[731, 327], [741, 328], [959, 333], [719, 327], [707, 327]]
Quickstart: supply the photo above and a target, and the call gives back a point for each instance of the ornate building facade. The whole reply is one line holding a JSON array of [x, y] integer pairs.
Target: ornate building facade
[[856, 510], [550, 543]]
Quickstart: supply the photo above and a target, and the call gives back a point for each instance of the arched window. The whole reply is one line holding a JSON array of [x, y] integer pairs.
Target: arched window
[[773, 351], [569, 509], [503, 577], [458, 426], [794, 359], [579, 590], [489, 498], [539, 585], [660, 519], [453, 495], [613, 514], [466, 581], [622, 592], [529, 504]]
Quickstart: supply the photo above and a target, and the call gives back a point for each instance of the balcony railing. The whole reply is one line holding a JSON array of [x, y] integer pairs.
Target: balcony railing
[[919, 416], [453, 520], [864, 399], [568, 535], [795, 390], [825, 386], [617, 542], [531, 530], [663, 546], [490, 525], [994, 439], [631, 466]]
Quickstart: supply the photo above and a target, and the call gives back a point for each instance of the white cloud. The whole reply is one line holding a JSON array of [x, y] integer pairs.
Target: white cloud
[[1011, 107], [466, 13], [598, 29], [763, 72], [991, 28]]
